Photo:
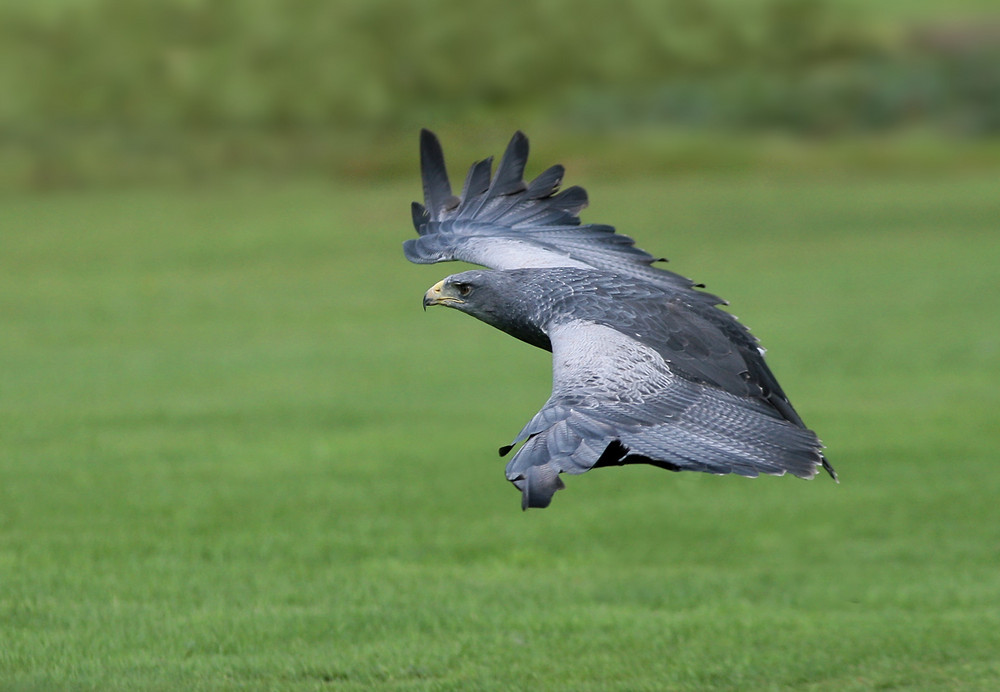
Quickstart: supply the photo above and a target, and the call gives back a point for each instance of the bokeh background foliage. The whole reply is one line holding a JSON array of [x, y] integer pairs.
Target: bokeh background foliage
[[97, 89], [310, 63]]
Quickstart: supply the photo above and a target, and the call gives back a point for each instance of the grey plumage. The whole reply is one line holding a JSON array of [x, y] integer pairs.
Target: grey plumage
[[646, 368]]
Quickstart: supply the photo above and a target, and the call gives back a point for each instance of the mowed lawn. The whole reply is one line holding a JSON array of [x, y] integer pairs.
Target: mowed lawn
[[236, 454]]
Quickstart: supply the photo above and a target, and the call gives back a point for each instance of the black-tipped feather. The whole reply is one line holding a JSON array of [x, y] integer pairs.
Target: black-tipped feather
[[546, 183], [420, 217], [477, 182], [437, 187], [509, 177]]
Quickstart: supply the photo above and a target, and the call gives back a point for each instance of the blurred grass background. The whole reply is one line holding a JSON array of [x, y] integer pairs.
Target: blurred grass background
[[235, 454]]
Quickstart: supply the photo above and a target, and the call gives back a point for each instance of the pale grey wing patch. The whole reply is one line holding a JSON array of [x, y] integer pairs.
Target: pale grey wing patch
[[614, 401], [591, 359], [493, 251]]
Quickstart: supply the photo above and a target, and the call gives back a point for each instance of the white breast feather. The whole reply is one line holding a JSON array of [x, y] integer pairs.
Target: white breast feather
[[596, 358]]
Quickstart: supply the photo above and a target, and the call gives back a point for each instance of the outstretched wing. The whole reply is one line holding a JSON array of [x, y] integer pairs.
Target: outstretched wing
[[615, 400], [501, 222]]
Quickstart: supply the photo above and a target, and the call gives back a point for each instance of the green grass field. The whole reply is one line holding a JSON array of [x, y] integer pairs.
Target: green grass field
[[235, 454]]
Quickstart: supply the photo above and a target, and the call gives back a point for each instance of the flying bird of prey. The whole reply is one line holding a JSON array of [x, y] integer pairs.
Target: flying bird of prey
[[645, 367]]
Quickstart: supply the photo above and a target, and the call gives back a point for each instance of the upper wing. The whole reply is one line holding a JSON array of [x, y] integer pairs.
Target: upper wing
[[701, 342], [615, 400], [501, 222]]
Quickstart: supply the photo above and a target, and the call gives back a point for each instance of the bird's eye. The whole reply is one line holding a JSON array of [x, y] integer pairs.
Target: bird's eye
[[463, 289]]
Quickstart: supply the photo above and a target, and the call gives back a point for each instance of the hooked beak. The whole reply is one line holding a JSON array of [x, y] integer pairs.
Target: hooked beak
[[436, 296]]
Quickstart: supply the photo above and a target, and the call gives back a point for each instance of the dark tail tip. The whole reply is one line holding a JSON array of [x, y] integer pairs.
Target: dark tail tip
[[829, 470]]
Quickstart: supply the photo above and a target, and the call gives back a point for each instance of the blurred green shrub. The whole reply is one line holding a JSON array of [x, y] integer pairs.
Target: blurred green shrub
[[137, 75], [306, 63], [953, 88]]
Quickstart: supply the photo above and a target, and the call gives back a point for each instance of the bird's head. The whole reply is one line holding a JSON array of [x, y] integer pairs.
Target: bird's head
[[477, 292], [499, 298], [453, 291]]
